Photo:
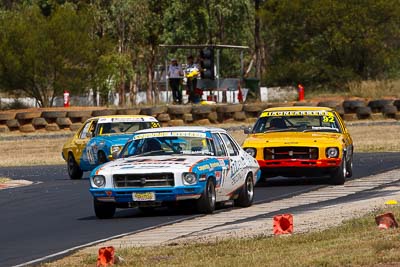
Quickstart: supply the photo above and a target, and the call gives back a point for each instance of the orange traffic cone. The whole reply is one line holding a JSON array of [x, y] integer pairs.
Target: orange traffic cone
[[106, 256], [386, 221], [283, 224]]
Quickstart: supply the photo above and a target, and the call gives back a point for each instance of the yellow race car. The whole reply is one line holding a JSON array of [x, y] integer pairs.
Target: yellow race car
[[100, 139], [301, 141]]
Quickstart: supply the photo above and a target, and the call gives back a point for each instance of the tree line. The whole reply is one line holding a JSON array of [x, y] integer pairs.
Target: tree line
[[47, 46]]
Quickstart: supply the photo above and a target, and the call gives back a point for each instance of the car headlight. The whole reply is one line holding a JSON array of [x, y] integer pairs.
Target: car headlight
[[332, 152], [99, 180], [189, 178], [251, 151], [115, 150]]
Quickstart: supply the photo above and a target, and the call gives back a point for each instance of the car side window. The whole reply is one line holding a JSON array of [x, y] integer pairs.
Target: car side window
[[89, 127], [85, 130], [230, 145], [219, 147]]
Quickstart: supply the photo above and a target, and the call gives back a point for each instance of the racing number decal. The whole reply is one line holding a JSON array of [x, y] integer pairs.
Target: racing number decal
[[328, 119], [90, 151], [155, 125]]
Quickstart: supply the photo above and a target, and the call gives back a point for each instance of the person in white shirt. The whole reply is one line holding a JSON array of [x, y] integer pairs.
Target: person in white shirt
[[175, 74]]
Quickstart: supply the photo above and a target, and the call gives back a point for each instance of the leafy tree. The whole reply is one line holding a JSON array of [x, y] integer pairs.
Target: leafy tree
[[331, 42], [44, 56]]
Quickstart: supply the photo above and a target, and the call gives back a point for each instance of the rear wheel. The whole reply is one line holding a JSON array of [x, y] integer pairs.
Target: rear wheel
[[74, 171], [206, 203], [104, 210], [338, 176], [246, 195]]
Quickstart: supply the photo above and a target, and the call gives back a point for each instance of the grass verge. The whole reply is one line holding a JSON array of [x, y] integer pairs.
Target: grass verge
[[357, 242]]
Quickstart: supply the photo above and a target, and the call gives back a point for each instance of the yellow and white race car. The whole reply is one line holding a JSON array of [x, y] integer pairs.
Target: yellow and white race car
[[301, 141]]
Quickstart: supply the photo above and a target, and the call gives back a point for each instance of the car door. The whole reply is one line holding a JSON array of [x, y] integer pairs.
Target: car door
[[222, 156], [235, 171], [86, 155]]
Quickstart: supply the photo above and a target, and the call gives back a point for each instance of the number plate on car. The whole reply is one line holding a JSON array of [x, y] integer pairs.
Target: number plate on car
[[146, 196]]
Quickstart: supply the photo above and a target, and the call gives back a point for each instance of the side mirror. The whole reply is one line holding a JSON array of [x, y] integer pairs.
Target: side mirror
[[89, 135], [247, 131]]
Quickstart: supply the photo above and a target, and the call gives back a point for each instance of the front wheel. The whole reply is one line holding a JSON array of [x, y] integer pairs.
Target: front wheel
[[206, 203], [74, 171], [101, 157], [246, 195], [338, 176], [349, 167], [104, 210]]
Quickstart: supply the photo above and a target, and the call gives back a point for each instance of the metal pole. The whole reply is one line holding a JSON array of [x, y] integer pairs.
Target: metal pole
[[217, 68], [166, 74], [241, 65]]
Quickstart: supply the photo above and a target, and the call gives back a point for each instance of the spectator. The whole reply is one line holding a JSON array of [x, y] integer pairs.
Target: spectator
[[192, 72], [175, 74]]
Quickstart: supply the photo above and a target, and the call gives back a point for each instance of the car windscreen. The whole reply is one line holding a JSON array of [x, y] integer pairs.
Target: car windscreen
[[279, 122], [168, 145], [121, 127]]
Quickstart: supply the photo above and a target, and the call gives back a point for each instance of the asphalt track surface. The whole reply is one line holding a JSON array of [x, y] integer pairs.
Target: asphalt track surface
[[56, 213]]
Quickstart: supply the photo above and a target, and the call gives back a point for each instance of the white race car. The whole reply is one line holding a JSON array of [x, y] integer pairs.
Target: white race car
[[163, 165]]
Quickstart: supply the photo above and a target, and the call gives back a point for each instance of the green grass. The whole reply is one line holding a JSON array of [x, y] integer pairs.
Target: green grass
[[358, 242]]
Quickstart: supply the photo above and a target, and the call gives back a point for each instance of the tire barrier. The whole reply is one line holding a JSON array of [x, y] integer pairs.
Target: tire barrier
[[350, 106], [283, 224], [177, 115], [377, 105], [389, 111], [363, 113]]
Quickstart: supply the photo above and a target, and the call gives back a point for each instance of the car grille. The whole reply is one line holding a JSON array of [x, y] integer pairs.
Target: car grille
[[271, 153], [143, 180]]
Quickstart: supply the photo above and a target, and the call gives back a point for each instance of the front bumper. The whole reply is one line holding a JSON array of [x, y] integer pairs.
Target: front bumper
[[298, 167], [303, 163], [164, 194]]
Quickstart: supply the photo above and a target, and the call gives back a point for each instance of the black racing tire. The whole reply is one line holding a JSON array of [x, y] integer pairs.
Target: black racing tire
[[54, 114], [377, 105], [253, 107], [350, 106], [179, 109], [7, 116], [364, 111], [12, 123], [128, 111], [338, 176], [103, 112], [246, 195], [28, 115], [339, 110], [330, 103], [74, 172], [154, 111], [349, 168], [79, 113], [228, 108], [101, 157], [397, 104], [206, 203], [203, 109], [104, 210], [389, 110]]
